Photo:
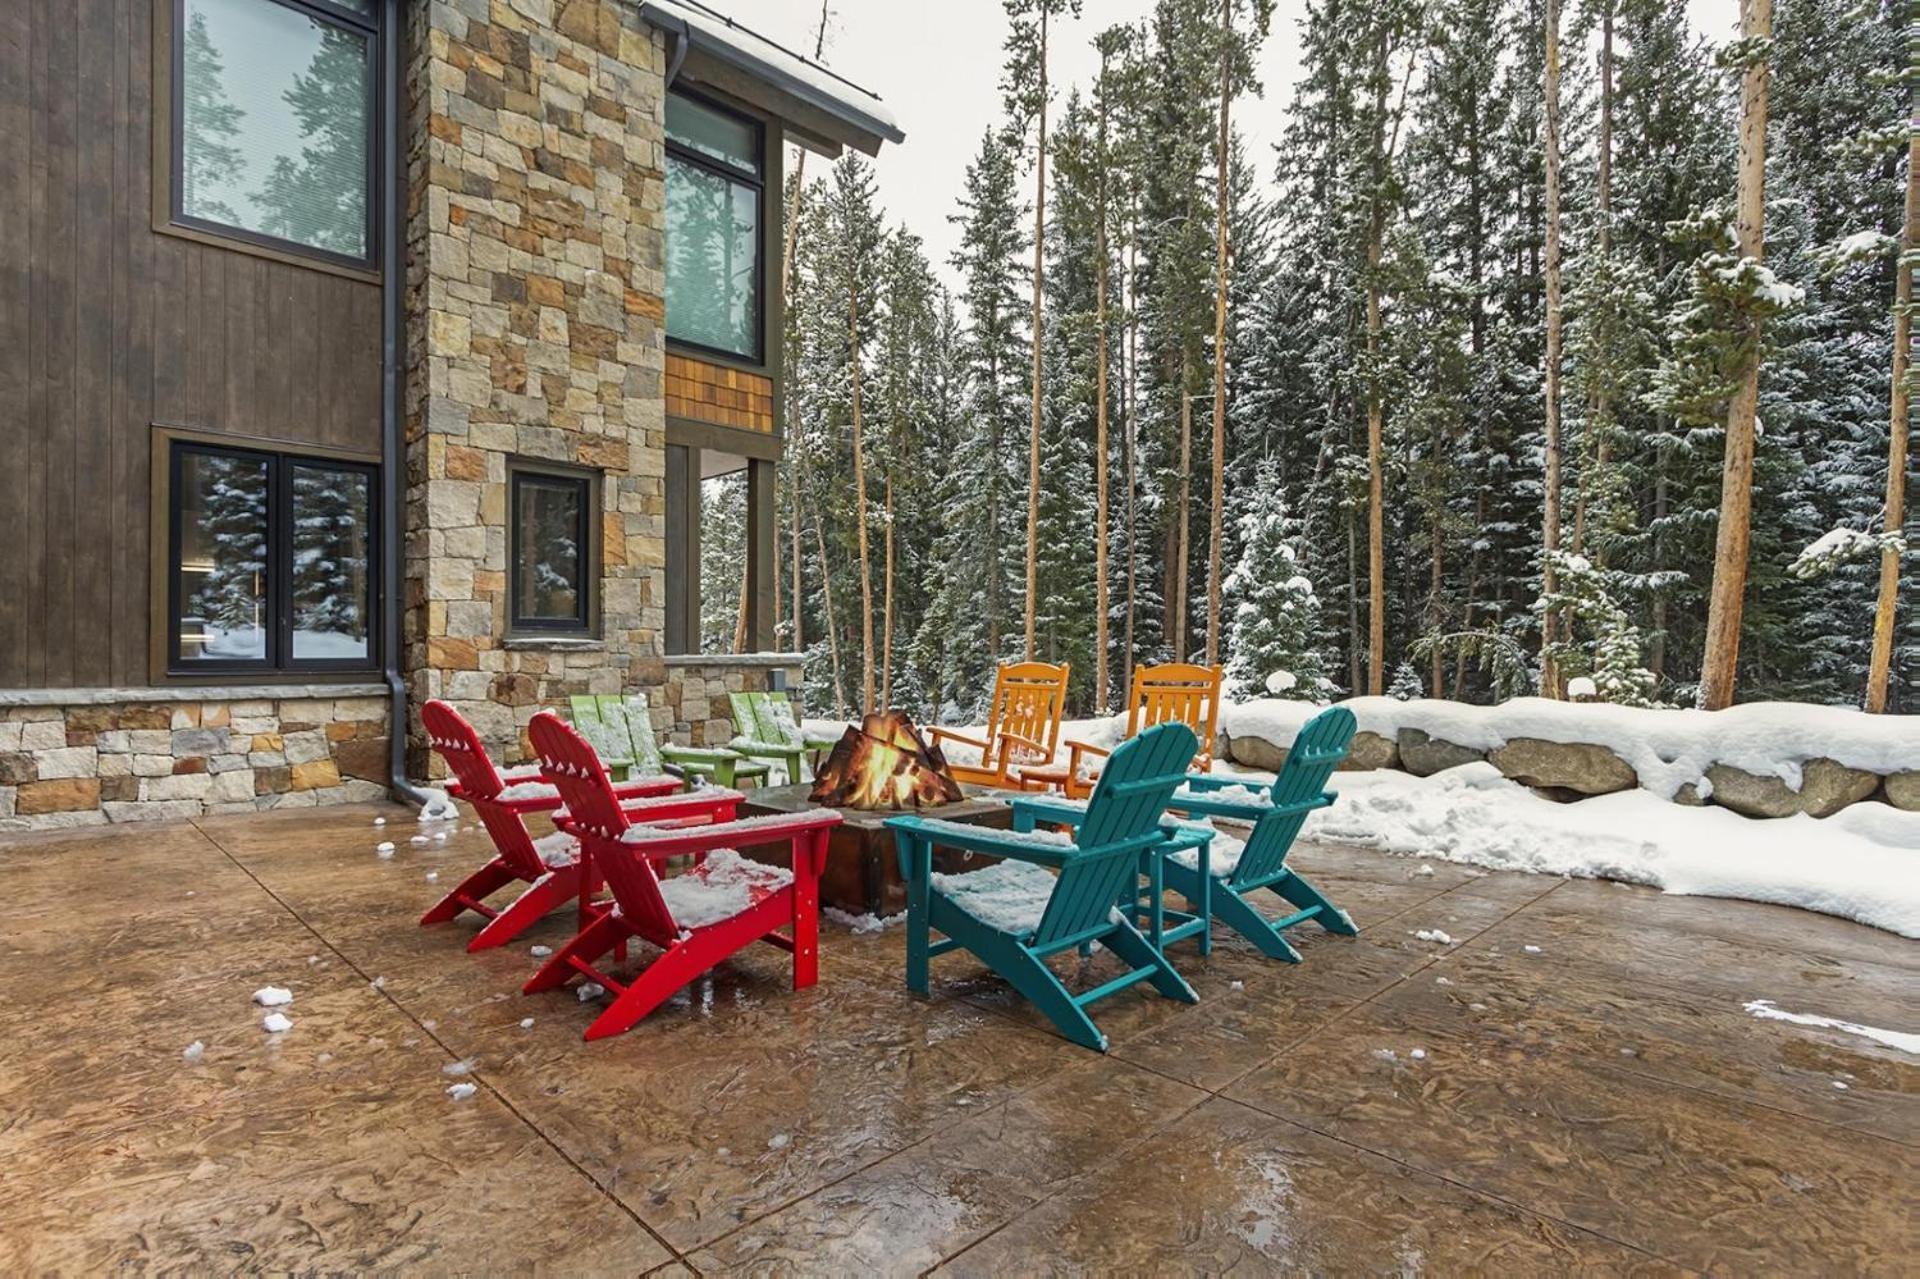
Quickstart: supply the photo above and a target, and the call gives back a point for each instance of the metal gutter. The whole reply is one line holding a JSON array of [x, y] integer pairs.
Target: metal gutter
[[393, 461], [671, 17]]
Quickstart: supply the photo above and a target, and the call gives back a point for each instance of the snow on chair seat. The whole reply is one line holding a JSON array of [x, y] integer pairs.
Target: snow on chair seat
[[1009, 896], [548, 867], [697, 919]]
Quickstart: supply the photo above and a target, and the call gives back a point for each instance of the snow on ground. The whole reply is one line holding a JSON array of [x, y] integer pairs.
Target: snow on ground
[[1667, 748], [272, 996], [1767, 1010], [460, 1092], [438, 807], [862, 924], [1471, 814], [275, 1023]]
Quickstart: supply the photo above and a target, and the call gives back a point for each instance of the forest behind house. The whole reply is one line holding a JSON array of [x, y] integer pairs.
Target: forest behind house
[[1502, 317]]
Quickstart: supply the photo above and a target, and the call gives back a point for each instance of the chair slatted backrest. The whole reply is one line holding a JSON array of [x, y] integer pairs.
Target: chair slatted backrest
[[607, 733], [1028, 700], [1123, 814], [569, 759], [480, 784], [635, 714], [1177, 693], [1317, 750], [756, 719]]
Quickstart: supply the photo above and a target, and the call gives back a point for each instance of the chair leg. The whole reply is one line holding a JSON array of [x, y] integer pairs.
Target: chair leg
[[556, 888], [489, 879], [678, 965], [1033, 979], [593, 941], [1231, 910], [1304, 895], [806, 911], [1137, 953], [916, 856]]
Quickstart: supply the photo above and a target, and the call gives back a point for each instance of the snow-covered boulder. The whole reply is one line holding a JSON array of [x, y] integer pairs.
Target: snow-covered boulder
[[1825, 788], [1423, 754], [1256, 752], [1573, 766], [1370, 751]]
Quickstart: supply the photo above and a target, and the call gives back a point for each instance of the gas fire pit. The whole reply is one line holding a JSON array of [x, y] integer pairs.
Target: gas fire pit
[[881, 767]]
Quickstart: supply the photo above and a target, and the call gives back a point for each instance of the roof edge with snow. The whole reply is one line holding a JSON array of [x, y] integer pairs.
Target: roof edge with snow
[[830, 111]]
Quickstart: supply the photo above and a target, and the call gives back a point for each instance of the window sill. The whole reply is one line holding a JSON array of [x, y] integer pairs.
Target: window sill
[[559, 643]]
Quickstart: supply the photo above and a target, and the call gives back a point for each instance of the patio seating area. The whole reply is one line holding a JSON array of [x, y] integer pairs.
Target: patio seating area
[[1573, 1081]]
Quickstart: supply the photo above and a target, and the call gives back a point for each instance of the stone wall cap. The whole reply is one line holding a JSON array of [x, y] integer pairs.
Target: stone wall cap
[[555, 643], [734, 659], [184, 693]]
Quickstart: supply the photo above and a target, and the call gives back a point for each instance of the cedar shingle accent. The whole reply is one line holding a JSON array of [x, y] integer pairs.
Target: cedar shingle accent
[[725, 397]]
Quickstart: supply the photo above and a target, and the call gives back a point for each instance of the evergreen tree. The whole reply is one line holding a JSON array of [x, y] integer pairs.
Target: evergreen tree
[[1274, 628]]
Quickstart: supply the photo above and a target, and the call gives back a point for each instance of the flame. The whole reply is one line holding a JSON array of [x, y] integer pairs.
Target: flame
[[884, 764]]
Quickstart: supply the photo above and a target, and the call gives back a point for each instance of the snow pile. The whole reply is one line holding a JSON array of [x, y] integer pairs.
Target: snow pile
[[272, 996], [1767, 1010], [275, 1023], [460, 1092], [1238, 794], [557, 849], [1667, 748], [1010, 896], [1435, 935], [720, 888], [862, 925], [438, 806], [193, 1053], [384, 848], [1473, 815]]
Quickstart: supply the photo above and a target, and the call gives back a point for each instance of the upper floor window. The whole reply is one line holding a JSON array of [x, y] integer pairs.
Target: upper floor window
[[273, 120], [271, 561], [715, 175]]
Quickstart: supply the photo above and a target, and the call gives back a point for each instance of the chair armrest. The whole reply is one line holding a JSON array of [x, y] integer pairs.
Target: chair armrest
[[818, 743], [698, 754], [747, 746], [1048, 808], [979, 839], [1219, 781], [644, 787], [1077, 749], [979, 743]]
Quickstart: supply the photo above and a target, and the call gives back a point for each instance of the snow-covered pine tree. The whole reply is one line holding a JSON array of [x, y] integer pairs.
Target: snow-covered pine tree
[[1273, 628]]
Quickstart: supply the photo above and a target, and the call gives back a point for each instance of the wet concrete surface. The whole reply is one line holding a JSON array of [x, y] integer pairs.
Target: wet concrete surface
[[1572, 1084]]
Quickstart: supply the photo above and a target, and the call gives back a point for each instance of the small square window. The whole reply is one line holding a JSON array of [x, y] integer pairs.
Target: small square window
[[273, 120], [553, 551], [271, 562]]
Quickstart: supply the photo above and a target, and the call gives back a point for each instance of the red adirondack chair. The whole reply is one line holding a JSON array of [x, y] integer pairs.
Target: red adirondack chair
[[723, 904], [549, 867]]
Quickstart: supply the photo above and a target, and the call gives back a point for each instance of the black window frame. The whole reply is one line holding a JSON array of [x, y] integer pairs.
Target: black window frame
[[279, 659], [757, 180], [585, 622], [319, 11]]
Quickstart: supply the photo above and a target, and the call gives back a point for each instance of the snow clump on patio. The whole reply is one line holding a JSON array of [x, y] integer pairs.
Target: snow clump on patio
[[1434, 935], [275, 1023], [193, 1053], [272, 996], [438, 806], [460, 1092]]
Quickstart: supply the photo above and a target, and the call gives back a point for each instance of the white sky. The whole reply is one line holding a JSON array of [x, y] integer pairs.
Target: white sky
[[937, 64]]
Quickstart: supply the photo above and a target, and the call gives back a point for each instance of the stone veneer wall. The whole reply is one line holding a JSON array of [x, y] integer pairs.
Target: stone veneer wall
[[696, 710], [188, 755], [535, 296]]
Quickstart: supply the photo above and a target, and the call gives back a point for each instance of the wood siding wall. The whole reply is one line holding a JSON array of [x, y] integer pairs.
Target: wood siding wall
[[704, 392], [107, 327]]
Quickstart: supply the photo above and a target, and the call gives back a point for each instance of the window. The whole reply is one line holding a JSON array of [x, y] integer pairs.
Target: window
[[271, 562], [273, 120], [714, 176], [554, 552]]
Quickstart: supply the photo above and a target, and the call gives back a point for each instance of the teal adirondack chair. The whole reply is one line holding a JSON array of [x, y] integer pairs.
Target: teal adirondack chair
[[621, 730], [766, 727], [1278, 809], [1015, 914]]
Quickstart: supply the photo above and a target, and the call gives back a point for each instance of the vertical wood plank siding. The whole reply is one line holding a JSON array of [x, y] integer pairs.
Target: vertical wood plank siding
[[107, 326]]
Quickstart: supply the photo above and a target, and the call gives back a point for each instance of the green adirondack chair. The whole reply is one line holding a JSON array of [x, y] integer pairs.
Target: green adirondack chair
[[1277, 810], [767, 727], [1014, 914], [620, 728]]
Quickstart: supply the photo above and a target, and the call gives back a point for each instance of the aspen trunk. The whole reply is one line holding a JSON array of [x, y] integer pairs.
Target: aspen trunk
[[1132, 375], [1376, 484], [1880, 667], [1039, 284], [833, 626], [860, 513], [1597, 457], [1216, 523], [886, 597], [1550, 504], [1721, 662], [1177, 604], [1100, 685]]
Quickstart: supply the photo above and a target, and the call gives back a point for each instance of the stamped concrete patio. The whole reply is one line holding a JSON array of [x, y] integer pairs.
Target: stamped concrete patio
[[1603, 1102]]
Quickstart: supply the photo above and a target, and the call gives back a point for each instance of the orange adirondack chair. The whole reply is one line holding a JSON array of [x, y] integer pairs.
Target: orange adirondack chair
[[1176, 692], [1023, 724]]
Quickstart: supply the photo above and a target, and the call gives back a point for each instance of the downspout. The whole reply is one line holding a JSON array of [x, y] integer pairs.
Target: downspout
[[680, 42], [393, 462]]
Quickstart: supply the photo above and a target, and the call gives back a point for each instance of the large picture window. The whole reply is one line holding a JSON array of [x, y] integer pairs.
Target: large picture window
[[714, 191], [271, 562], [273, 123], [552, 549]]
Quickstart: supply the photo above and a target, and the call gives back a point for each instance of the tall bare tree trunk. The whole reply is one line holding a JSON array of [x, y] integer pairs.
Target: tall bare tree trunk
[[799, 640], [860, 511], [1131, 372], [1177, 602], [833, 625], [1719, 667], [1216, 524], [1550, 504], [1880, 667], [1039, 343], [886, 606], [1101, 687], [1376, 482], [1603, 214]]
